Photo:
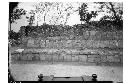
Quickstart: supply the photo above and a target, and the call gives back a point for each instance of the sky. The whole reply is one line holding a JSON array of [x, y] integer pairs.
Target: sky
[[52, 15]]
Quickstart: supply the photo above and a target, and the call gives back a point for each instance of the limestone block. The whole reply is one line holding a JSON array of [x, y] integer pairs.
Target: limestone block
[[90, 59], [37, 56], [64, 43], [15, 56], [60, 44], [29, 56], [117, 58], [75, 58], [67, 58], [23, 57], [110, 58], [93, 58], [42, 56], [42, 43], [82, 58], [97, 59], [103, 58], [30, 43], [68, 43], [55, 57], [48, 57], [61, 58], [37, 42], [120, 43], [47, 43]]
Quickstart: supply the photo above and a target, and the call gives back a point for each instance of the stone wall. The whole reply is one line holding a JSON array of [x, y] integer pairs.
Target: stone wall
[[90, 39], [66, 55], [93, 47]]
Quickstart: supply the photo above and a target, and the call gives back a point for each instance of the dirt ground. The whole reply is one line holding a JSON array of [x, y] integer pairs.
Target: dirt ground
[[30, 72]]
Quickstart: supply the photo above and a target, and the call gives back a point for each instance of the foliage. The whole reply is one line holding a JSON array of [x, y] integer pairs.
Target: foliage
[[85, 15], [17, 13], [14, 12], [14, 38], [14, 35], [116, 9]]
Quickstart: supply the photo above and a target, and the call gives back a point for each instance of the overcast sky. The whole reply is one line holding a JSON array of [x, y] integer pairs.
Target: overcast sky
[[51, 16]]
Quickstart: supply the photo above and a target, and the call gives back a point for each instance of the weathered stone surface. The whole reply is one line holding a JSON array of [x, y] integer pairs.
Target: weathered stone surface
[[93, 32], [76, 43], [48, 57], [55, 57], [42, 56], [23, 57], [30, 43], [15, 57], [36, 57], [59, 44], [67, 58], [68, 43], [82, 58], [47, 43], [93, 58], [104, 58], [97, 59], [42, 43], [110, 58], [61, 58], [90, 59], [75, 58], [120, 43], [116, 58], [29, 56]]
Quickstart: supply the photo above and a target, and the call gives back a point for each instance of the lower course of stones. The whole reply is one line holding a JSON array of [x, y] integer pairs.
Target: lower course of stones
[[66, 55]]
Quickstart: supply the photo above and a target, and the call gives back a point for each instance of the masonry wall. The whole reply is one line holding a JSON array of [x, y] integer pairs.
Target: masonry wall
[[90, 39], [64, 56], [93, 47]]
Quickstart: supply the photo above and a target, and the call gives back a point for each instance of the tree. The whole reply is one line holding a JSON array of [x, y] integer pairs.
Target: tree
[[85, 15], [14, 12], [31, 18], [12, 5], [116, 11], [42, 8]]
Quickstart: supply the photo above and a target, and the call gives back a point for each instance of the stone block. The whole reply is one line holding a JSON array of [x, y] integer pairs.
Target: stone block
[[59, 44], [110, 58], [93, 58], [37, 42], [103, 58], [116, 58], [48, 57], [97, 59], [23, 57], [42, 43], [67, 58], [82, 58], [55, 57], [75, 58], [15, 56], [42, 57], [90, 59], [75, 52], [47, 43], [61, 58], [29, 56], [37, 56], [30, 43]]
